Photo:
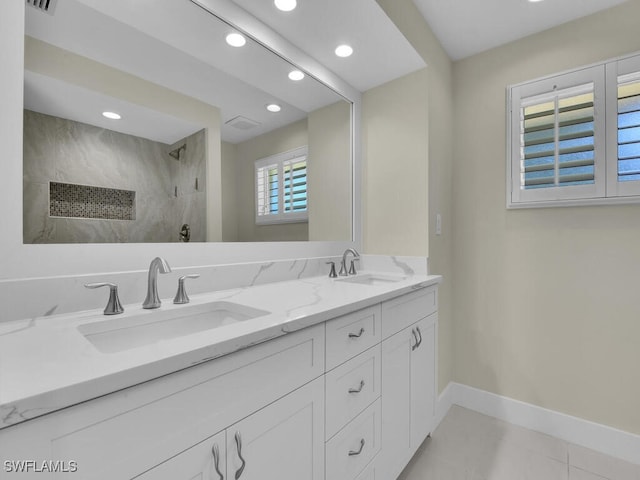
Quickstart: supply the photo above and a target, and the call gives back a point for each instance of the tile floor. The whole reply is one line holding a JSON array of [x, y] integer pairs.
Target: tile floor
[[471, 446]]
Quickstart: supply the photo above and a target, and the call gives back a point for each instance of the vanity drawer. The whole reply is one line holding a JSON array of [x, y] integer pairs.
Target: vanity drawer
[[406, 310], [351, 334], [140, 427], [353, 448], [350, 388]]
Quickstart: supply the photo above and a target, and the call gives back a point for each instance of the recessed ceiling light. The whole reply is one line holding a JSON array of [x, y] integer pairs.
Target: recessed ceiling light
[[274, 107], [344, 51], [535, 1], [296, 75], [236, 40], [285, 5], [111, 115]]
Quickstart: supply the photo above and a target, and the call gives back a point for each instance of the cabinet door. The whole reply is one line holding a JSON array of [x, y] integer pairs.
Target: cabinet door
[[408, 393], [396, 403], [423, 381], [204, 461], [283, 441]]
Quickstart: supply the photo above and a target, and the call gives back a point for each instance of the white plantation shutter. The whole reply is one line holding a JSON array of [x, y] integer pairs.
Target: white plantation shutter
[[295, 184], [557, 138], [267, 189], [281, 188], [623, 133]]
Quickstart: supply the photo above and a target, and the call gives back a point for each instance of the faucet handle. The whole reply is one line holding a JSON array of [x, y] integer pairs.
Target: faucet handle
[[181, 295], [332, 273], [352, 268], [114, 307]]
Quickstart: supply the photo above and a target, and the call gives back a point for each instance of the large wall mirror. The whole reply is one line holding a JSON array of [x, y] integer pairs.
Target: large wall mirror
[[213, 142]]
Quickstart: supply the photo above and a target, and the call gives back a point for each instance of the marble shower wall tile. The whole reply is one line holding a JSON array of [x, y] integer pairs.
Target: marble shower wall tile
[[51, 296], [65, 151]]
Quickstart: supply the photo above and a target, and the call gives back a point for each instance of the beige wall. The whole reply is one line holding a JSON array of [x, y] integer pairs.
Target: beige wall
[[229, 193], [329, 168], [416, 133], [395, 154], [546, 306], [277, 141]]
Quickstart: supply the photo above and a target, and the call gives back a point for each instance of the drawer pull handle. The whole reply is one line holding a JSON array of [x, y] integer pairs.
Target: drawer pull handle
[[420, 334], [357, 335], [216, 460], [239, 448], [415, 336], [359, 389], [353, 453]]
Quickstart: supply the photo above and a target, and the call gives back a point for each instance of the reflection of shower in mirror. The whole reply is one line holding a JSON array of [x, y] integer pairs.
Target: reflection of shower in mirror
[[177, 153]]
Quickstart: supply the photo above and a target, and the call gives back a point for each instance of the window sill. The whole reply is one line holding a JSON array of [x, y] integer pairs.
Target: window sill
[[585, 202]]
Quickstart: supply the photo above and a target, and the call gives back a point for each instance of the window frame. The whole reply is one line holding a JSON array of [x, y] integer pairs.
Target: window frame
[[607, 189], [281, 217]]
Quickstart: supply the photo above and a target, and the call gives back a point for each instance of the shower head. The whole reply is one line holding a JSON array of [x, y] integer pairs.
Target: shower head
[[178, 151]]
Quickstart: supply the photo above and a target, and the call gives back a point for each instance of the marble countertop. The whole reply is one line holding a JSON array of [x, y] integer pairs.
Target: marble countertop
[[46, 364]]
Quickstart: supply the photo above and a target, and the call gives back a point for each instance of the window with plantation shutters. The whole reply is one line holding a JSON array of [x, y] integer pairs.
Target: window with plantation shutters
[[557, 139], [574, 138], [281, 188]]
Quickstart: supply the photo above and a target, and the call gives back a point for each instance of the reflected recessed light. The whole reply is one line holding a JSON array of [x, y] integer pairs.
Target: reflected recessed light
[[274, 107], [296, 75], [285, 5], [344, 51], [111, 115], [236, 40]]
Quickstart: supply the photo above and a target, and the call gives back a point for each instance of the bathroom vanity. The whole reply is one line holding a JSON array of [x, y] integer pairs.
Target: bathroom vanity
[[336, 380]]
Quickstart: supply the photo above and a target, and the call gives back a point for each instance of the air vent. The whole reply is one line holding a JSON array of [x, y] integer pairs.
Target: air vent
[[242, 123], [46, 6]]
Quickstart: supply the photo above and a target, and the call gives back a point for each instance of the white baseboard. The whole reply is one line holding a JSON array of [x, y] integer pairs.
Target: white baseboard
[[443, 404], [595, 436]]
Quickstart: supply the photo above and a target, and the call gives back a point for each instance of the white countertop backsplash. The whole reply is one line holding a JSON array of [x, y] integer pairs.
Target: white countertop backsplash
[[46, 364]]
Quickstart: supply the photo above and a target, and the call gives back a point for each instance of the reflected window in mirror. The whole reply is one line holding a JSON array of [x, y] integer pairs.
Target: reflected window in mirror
[[281, 188]]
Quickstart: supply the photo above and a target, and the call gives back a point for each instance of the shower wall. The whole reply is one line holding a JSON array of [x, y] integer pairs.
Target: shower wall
[[166, 194]]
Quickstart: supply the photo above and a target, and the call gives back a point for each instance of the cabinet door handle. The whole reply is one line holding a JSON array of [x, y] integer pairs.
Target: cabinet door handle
[[415, 337], [353, 453], [216, 460], [420, 334], [357, 335], [358, 389], [239, 448]]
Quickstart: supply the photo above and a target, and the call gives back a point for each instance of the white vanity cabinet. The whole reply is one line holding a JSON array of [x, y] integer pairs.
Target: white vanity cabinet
[[281, 441], [408, 378], [351, 398], [127, 433]]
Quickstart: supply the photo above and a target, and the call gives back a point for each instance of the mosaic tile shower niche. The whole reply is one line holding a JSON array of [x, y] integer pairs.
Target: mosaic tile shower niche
[[85, 184], [83, 201]]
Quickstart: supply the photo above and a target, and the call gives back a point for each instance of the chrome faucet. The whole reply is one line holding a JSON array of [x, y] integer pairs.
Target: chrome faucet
[[157, 265], [343, 264]]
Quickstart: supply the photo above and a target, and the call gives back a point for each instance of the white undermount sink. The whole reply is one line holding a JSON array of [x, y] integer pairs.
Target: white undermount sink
[[151, 326], [372, 279]]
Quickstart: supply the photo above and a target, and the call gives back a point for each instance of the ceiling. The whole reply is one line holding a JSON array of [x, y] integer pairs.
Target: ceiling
[[467, 27], [381, 52], [176, 44]]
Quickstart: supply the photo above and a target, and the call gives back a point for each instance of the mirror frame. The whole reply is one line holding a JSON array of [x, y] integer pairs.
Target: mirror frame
[[20, 261]]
